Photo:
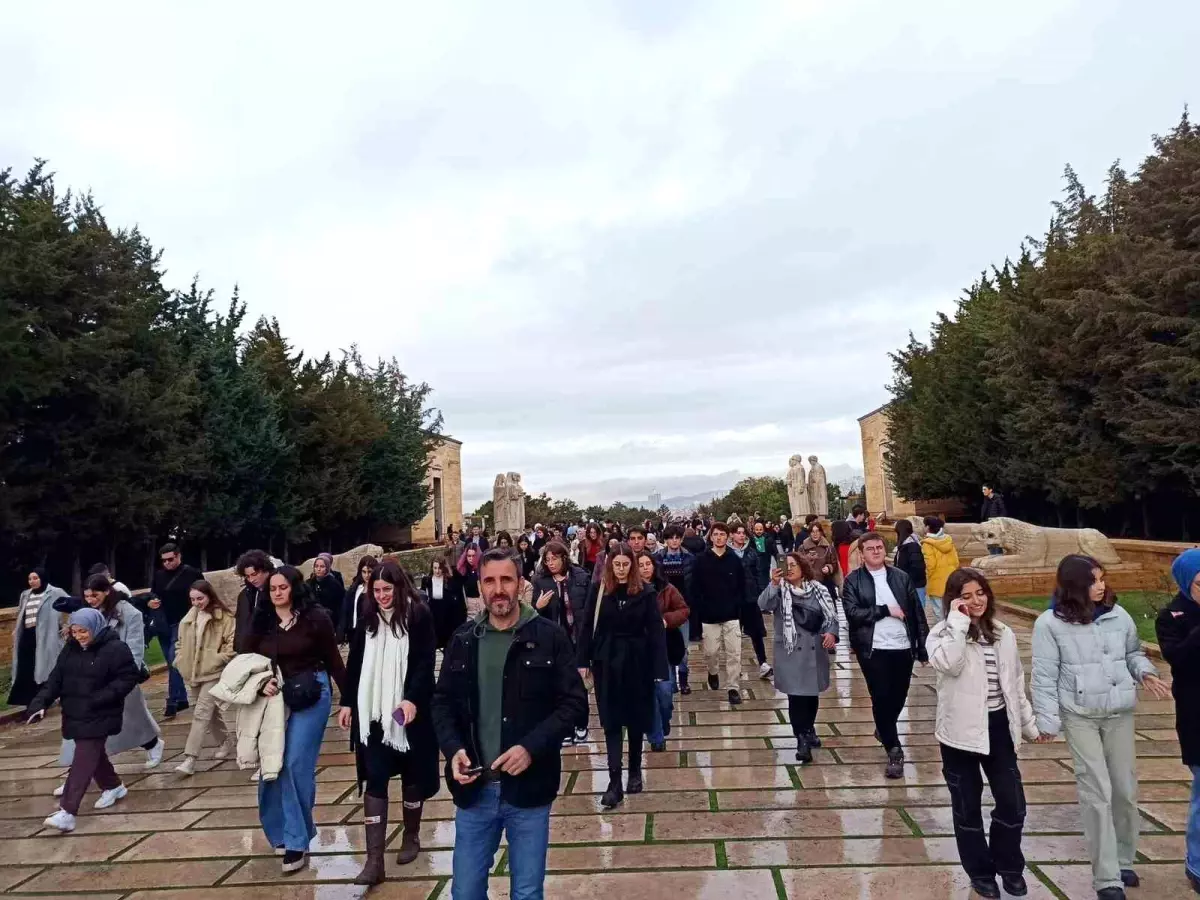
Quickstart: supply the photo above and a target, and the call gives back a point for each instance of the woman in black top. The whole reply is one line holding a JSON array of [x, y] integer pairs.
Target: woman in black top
[[621, 642], [353, 600], [467, 578], [389, 689], [529, 557], [326, 587], [443, 594]]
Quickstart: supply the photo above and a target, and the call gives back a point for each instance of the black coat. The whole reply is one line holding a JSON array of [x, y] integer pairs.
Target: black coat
[[720, 585], [1178, 630], [246, 602], [174, 589], [329, 592], [858, 600], [627, 653], [448, 612], [576, 590], [787, 538], [419, 766], [911, 561], [92, 685], [993, 508], [467, 585], [348, 619], [543, 699]]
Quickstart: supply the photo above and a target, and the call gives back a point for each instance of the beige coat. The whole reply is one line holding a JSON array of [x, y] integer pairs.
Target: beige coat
[[962, 685], [261, 721], [205, 645]]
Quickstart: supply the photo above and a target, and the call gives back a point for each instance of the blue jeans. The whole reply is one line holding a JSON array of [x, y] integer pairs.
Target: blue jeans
[[1193, 825], [664, 708], [285, 805], [167, 635], [933, 605], [685, 630], [477, 836]]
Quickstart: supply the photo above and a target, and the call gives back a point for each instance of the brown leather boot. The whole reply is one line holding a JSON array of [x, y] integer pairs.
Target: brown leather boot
[[375, 823], [410, 843]]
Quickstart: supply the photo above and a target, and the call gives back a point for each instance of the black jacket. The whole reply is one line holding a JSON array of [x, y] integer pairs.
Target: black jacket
[[348, 619], [993, 507], [787, 538], [448, 612], [1178, 630], [173, 589], [543, 699], [329, 593], [421, 768], [576, 590], [720, 585], [911, 561], [858, 600], [92, 685], [695, 545], [245, 612]]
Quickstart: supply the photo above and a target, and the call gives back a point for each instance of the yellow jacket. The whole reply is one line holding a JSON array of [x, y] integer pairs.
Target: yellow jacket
[[941, 558], [205, 645]]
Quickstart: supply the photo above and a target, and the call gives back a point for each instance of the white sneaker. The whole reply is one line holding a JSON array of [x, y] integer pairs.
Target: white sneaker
[[60, 790], [225, 751], [765, 671], [257, 776], [187, 767], [62, 820], [155, 754], [111, 796]]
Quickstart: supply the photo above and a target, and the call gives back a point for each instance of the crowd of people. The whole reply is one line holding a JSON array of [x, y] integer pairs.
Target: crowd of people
[[527, 625]]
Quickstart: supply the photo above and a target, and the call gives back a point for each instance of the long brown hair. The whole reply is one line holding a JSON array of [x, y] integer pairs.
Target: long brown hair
[[959, 579], [404, 597], [211, 593], [609, 582], [1072, 590], [806, 567]]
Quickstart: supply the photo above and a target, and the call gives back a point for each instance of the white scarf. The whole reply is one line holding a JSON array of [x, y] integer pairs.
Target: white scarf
[[381, 684]]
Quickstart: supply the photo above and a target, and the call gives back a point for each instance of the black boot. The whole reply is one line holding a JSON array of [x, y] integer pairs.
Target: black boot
[[375, 823], [614, 795], [713, 682], [1014, 885], [410, 844], [803, 751], [636, 784], [986, 887], [684, 687], [811, 737]]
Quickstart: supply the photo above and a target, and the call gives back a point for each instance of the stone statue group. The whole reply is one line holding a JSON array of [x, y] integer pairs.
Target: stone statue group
[[508, 501], [807, 490]]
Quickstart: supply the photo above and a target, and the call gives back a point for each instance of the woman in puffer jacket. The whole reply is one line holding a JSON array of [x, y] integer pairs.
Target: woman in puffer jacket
[[982, 714], [1087, 664], [204, 648]]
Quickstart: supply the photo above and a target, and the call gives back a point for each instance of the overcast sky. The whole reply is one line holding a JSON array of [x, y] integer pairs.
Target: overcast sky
[[642, 239]]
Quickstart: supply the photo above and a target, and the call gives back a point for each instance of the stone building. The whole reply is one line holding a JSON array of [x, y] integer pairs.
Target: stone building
[[881, 495], [444, 477]]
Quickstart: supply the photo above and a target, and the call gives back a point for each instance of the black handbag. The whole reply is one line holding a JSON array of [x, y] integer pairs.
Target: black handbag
[[300, 691], [807, 618]]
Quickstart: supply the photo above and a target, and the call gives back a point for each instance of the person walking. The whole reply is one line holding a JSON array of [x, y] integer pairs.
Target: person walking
[[994, 506], [623, 649], [560, 593], [820, 554], [386, 707], [806, 632], [37, 638], [910, 559], [982, 714], [674, 612], [749, 616], [675, 564], [297, 636], [1178, 631], [255, 568], [466, 579], [887, 634], [353, 600], [941, 558], [325, 586], [94, 674], [1087, 664], [166, 605], [529, 557], [719, 586], [843, 538], [205, 647], [443, 594], [507, 696]]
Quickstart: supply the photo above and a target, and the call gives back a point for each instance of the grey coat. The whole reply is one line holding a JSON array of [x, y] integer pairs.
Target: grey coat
[[805, 671], [49, 634]]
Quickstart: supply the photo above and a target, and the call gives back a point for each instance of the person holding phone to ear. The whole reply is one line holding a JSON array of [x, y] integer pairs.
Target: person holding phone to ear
[[507, 697]]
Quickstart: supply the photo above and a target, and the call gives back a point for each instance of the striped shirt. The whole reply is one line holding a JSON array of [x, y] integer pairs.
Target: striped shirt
[[995, 697], [32, 605]]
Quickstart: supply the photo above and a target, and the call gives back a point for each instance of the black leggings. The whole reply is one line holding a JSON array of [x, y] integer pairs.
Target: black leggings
[[802, 713], [752, 624], [612, 742], [380, 770]]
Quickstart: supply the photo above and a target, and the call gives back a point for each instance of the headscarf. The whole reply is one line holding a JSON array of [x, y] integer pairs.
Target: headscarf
[[1185, 569], [41, 574], [91, 619]]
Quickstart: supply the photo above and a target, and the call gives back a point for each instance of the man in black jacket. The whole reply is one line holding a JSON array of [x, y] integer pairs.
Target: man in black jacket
[[167, 604], [507, 697], [719, 587], [255, 568], [887, 633], [993, 505]]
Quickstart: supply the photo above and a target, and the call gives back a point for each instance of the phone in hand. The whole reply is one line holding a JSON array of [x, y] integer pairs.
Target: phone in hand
[[473, 770]]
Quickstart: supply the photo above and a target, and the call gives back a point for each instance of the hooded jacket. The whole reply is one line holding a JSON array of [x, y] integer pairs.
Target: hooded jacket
[[1178, 632], [261, 720], [941, 559], [92, 683]]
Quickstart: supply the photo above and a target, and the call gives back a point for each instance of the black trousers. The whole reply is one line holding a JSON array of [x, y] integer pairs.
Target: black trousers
[[964, 777], [752, 625], [888, 674], [381, 764], [612, 743], [802, 713]]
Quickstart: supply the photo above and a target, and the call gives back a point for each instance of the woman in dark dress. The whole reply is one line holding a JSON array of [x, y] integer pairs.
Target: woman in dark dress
[[37, 638], [386, 706], [621, 642]]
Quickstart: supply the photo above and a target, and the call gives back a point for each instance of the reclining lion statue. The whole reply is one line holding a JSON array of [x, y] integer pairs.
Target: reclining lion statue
[[1034, 546]]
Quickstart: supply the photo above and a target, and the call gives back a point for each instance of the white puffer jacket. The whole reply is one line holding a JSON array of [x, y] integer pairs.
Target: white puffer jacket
[[261, 721], [962, 685]]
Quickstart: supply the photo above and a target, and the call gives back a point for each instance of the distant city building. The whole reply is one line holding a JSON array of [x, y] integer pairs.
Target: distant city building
[[655, 499]]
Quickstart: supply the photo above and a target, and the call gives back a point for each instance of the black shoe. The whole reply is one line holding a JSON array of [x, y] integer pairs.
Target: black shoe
[[657, 748], [895, 765], [1111, 893], [811, 737], [170, 711], [685, 688], [1129, 878], [986, 887], [294, 861], [803, 752], [734, 698], [1193, 880], [713, 682], [614, 795], [635, 785], [181, 705], [1014, 885]]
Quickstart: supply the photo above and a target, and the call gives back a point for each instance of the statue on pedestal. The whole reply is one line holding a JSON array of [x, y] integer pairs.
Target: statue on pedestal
[[818, 488], [508, 501], [797, 488]]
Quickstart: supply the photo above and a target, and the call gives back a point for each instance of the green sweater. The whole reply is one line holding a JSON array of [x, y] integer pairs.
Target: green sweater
[[493, 652]]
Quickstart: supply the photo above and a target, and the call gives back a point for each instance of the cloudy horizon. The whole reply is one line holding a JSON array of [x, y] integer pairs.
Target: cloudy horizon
[[621, 240]]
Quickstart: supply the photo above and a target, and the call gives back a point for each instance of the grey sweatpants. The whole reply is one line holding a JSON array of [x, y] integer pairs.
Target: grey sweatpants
[[1103, 751]]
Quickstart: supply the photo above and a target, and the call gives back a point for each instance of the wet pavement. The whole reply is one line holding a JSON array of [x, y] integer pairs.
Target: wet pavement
[[727, 812]]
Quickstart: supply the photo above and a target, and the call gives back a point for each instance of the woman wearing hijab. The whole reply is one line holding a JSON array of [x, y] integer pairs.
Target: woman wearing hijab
[[325, 587], [352, 601], [806, 630], [94, 674], [37, 639], [386, 706], [444, 595]]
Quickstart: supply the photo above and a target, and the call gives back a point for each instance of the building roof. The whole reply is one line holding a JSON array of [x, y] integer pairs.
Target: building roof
[[878, 409]]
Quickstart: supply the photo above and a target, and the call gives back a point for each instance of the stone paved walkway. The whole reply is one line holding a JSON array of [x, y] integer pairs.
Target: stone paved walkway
[[726, 813]]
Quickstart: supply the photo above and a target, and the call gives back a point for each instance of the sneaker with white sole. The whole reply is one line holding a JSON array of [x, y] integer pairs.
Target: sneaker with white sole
[[111, 796], [765, 671], [62, 820], [187, 767], [60, 790], [225, 751], [155, 754], [257, 776]]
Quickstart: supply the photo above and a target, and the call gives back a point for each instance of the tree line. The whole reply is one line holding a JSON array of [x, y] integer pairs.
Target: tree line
[[131, 413], [1069, 377]]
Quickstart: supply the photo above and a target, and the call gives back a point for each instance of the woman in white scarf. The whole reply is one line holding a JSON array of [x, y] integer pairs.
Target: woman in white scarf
[[806, 632], [386, 707]]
